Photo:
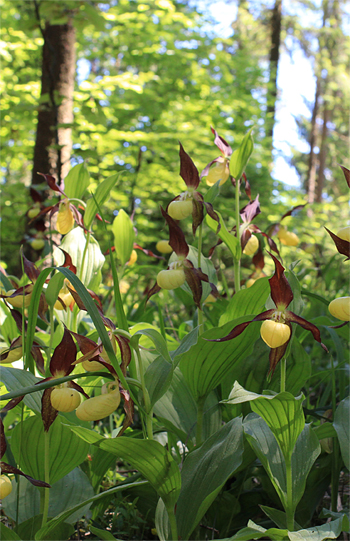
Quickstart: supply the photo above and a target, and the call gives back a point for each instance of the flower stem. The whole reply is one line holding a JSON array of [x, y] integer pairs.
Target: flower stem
[[173, 525], [283, 374], [146, 399], [47, 477], [200, 240], [289, 484], [237, 261], [200, 413]]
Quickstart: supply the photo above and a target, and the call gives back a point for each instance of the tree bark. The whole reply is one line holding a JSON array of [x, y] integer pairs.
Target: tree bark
[[53, 142], [276, 24], [310, 183]]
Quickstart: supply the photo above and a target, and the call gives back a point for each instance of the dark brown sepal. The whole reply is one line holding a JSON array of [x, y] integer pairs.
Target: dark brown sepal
[[155, 289], [188, 171], [148, 252], [194, 282], [251, 210], [205, 171], [12, 404], [77, 387], [236, 331], [281, 292], [48, 412], [29, 268], [291, 317], [221, 143], [128, 408], [271, 243], [210, 210], [276, 354], [6, 468], [125, 351], [68, 263], [197, 213], [51, 181], [258, 260], [38, 358], [176, 236], [247, 187], [64, 356], [346, 174], [293, 211], [343, 246]]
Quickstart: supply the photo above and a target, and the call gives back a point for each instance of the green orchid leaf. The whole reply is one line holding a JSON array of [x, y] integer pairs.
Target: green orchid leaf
[[342, 428], [77, 181], [247, 301], [124, 236], [100, 196], [241, 155], [153, 461], [229, 239], [205, 471], [66, 449], [16, 379]]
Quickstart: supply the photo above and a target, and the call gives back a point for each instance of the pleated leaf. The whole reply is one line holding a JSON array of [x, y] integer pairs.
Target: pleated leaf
[[153, 461], [205, 471], [247, 301], [77, 181], [66, 449], [206, 364], [342, 427], [15, 379]]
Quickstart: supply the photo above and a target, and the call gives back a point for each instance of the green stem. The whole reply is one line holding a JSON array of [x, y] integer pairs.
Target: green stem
[[146, 399], [237, 262], [200, 321], [47, 477], [173, 525], [200, 412], [19, 463], [84, 256], [335, 454], [161, 321], [289, 507], [283, 374], [224, 283]]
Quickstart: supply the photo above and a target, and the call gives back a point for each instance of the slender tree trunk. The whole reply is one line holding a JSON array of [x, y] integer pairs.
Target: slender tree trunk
[[322, 155], [53, 143], [310, 183], [276, 24]]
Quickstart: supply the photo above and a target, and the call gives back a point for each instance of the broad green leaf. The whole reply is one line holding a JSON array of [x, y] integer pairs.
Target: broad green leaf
[[158, 341], [45, 532], [101, 195], [247, 301], [306, 451], [90, 436], [188, 341], [342, 427], [66, 493], [77, 181], [74, 243], [206, 364], [66, 449], [28, 529], [101, 534], [278, 517], [345, 516], [205, 471], [162, 521], [153, 461], [124, 236], [229, 239], [213, 192], [268, 451], [8, 534], [53, 288], [326, 430], [177, 410], [158, 378], [146, 341], [253, 531], [15, 379], [282, 412], [241, 155], [331, 530]]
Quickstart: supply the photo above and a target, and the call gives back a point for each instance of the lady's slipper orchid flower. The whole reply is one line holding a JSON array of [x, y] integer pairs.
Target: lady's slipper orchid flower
[[191, 201], [276, 329], [181, 270], [221, 169], [340, 308]]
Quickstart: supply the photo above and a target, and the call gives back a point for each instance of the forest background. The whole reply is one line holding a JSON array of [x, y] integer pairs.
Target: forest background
[[116, 84]]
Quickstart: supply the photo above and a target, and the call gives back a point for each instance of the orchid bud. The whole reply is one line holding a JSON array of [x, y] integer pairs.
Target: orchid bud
[[274, 334], [251, 246], [98, 407], [287, 237], [344, 233], [219, 171], [5, 486], [164, 247], [65, 218], [178, 210], [65, 399], [340, 308]]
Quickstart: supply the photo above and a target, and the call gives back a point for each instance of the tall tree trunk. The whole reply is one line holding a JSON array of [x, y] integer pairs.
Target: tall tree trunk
[[276, 24], [310, 183], [53, 142], [322, 155]]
